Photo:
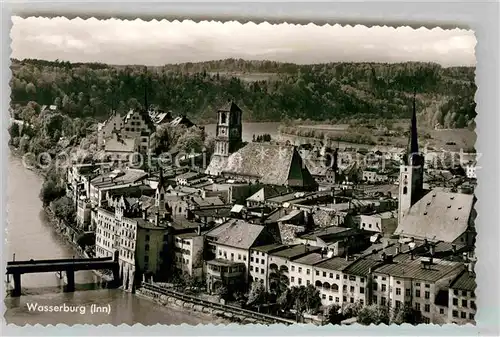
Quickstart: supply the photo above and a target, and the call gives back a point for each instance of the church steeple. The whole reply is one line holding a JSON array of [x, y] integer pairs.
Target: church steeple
[[160, 193], [413, 157]]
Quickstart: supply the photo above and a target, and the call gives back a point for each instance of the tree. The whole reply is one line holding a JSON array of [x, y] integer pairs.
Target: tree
[[407, 314], [50, 191], [192, 140], [278, 281], [257, 294], [373, 314], [222, 292], [301, 299], [14, 130], [64, 209], [333, 314]]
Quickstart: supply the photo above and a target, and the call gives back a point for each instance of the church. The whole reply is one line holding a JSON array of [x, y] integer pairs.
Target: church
[[264, 163], [432, 215]]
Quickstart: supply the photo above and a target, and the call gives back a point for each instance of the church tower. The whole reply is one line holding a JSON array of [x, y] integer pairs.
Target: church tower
[[160, 194], [411, 176], [228, 133]]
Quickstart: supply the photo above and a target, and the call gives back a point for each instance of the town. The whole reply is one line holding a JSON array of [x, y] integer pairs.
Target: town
[[294, 230]]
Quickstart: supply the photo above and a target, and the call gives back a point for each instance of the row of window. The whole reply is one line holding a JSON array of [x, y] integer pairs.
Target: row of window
[[262, 270], [240, 257], [181, 260], [465, 303], [463, 315], [464, 293], [185, 242], [127, 254], [262, 261]]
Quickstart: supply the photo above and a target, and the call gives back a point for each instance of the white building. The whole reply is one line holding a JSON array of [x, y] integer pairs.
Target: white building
[[384, 223], [188, 251]]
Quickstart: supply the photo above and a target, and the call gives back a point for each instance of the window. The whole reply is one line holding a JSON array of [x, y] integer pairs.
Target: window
[[300, 281], [384, 287], [146, 258], [398, 304], [417, 293], [455, 292], [293, 268], [455, 313], [262, 270], [417, 284], [471, 316], [147, 237], [308, 271], [426, 320], [324, 274], [464, 292], [330, 298], [337, 277], [257, 269], [473, 304], [323, 296], [441, 311], [375, 286], [344, 288], [427, 295], [345, 277], [383, 278], [383, 301], [408, 292], [146, 247], [427, 285], [317, 272], [362, 280], [300, 270], [352, 289], [464, 303], [251, 258], [239, 256], [463, 314], [398, 291], [361, 290], [308, 282], [293, 279], [427, 308], [455, 301], [344, 298], [374, 300], [331, 275], [337, 300], [417, 306], [251, 268], [244, 257], [352, 278], [262, 261]]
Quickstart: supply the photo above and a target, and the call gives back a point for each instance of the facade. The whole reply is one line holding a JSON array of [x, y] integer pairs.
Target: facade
[[138, 126], [188, 251], [384, 223], [462, 299]]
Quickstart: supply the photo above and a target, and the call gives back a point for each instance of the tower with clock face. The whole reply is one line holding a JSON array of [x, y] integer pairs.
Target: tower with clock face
[[411, 173], [228, 133]]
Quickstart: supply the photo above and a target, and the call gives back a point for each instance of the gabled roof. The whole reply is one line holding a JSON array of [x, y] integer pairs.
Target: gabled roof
[[236, 233], [438, 216], [271, 164], [465, 281], [267, 192], [230, 106]]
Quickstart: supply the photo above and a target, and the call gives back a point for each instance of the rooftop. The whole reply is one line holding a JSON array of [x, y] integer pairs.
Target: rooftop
[[269, 248], [413, 269], [236, 233], [465, 281], [438, 216], [361, 267], [311, 259], [334, 263], [118, 177], [293, 251]]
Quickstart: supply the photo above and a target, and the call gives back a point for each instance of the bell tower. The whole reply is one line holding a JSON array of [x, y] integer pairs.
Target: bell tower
[[228, 133], [411, 173]]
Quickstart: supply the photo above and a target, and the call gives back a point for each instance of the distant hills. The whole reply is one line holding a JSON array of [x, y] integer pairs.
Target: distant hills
[[265, 90]]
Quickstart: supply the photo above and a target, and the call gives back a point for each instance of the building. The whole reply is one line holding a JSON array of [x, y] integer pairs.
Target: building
[[255, 162], [357, 282], [416, 281], [301, 269], [259, 264], [231, 242], [188, 251], [462, 298], [384, 223], [118, 148], [138, 125], [114, 180], [328, 279]]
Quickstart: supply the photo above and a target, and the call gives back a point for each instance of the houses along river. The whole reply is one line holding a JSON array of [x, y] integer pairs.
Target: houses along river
[[30, 236]]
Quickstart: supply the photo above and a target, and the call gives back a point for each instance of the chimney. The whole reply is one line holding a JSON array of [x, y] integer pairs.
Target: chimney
[[431, 250], [398, 250], [199, 230], [412, 256], [322, 253], [470, 266], [144, 214], [157, 218], [454, 248]]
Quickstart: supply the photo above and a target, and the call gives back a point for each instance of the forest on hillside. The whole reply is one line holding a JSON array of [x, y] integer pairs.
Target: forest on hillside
[[330, 92]]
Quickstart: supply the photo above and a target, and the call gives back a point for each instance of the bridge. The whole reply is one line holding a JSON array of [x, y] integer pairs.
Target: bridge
[[69, 266]]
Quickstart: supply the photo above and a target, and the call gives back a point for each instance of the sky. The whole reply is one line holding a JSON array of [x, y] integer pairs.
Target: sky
[[152, 43]]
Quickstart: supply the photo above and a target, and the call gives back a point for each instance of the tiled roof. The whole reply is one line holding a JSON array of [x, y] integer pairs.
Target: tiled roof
[[128, 176], [438, 216], [236, 233], [413, 269], [311, 258], [334, 263], [230, 106], [361, 267], [465, 281], [270, 164]]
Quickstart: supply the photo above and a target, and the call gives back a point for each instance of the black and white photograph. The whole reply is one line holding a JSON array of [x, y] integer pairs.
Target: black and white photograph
[[254, 173]]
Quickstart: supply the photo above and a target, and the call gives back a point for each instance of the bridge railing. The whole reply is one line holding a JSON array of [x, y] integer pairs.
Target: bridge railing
[[31, 262], [215, 305]]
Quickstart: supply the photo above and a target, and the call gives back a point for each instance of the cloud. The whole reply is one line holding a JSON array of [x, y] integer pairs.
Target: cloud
[[160, 42]]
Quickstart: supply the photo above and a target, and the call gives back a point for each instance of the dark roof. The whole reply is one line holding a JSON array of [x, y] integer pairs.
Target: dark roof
[[334, 263], [229, 106], [413, 269], [465, 281], [236, 233], [267, 192], [330, 232], [269, 248], [293, 251], [361, 267], [311, 259]]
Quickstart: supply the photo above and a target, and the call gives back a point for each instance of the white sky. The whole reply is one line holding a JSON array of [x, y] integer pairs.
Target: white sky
[[160, 42]]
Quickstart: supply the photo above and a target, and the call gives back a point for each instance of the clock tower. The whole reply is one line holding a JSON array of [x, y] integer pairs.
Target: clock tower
[[228, 133], [411, 175]]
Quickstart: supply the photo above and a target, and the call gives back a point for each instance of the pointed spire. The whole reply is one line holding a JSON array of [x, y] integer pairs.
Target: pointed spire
[[414, 136], [161, 182]]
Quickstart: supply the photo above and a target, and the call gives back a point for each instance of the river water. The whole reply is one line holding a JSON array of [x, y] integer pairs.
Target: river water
[[30, 236]]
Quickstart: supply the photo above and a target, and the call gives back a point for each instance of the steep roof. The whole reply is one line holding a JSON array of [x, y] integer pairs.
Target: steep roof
[[438, 216], [465, 281], [236, 233], [270, 164], [267, 192]]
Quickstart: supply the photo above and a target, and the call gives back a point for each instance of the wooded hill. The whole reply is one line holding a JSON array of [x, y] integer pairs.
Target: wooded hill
[[265, 90]]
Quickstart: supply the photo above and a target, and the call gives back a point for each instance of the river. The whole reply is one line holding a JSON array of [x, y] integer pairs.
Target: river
[[30, 236]]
